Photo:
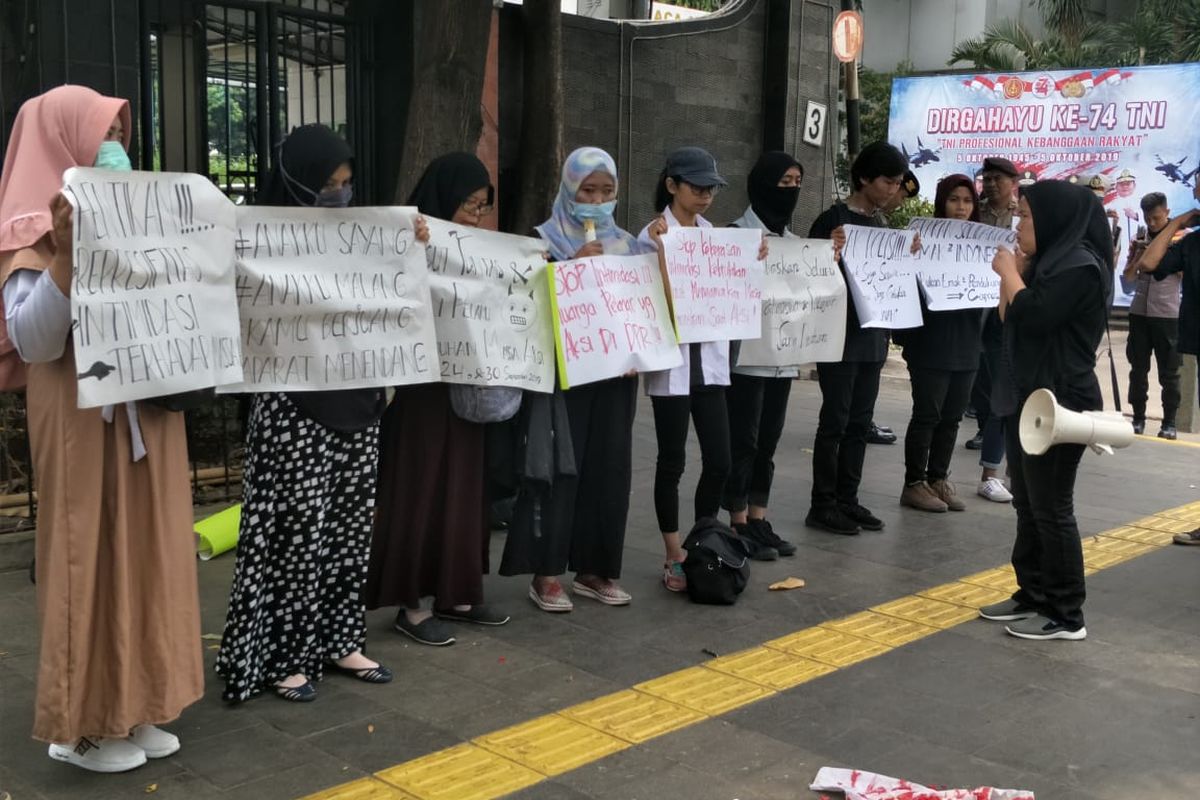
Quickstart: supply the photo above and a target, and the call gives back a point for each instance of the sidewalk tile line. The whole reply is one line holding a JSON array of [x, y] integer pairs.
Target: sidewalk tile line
[[505, 761], [1176, 442]]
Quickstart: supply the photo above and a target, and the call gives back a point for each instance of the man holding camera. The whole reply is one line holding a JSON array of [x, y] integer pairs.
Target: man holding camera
[[1153, 324], [1163, 259]]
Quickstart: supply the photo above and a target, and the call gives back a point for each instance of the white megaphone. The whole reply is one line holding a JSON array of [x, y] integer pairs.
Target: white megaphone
[[1044, 423]]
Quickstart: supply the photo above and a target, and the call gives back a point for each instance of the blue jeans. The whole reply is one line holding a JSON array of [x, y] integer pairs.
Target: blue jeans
[[991, 455]]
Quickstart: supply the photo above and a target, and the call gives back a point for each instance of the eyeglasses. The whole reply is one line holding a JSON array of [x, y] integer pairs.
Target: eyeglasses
[[476, 209]]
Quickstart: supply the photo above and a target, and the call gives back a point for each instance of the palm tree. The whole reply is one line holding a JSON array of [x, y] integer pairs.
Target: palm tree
[[1010, 46]]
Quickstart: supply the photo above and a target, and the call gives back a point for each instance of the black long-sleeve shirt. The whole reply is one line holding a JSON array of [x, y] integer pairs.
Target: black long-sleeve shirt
[[862, 344]]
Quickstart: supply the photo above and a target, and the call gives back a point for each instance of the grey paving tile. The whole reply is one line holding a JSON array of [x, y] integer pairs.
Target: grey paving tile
[[381, 741], [334, 707], [248, 755], [551, 790], [286, 782]]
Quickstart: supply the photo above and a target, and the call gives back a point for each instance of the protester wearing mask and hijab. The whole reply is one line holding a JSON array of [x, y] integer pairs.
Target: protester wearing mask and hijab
[[308, 494], [1054, 299], [116, 574], [431, 534], [758, 396], [582, 525], [942, 355]]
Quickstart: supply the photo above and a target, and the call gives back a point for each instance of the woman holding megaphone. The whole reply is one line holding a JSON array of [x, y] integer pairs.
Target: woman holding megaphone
[[1054, 295]]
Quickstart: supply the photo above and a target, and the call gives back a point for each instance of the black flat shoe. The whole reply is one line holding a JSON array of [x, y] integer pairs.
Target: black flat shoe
[[304, 693], [480, 614], [377, 674]]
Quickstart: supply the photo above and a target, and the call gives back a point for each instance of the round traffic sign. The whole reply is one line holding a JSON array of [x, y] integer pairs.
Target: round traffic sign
[[847, 35]]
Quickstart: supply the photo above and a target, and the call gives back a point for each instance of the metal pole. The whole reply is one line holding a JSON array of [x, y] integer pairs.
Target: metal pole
[[853, 128]]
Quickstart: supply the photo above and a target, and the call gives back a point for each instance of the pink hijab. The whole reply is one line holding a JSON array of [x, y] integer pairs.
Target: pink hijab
[[54, 131]]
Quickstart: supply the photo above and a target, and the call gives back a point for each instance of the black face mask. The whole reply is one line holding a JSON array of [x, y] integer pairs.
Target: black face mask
[[772, 204]]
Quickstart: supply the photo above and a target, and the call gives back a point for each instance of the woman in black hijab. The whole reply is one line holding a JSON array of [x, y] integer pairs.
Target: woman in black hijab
[[1054, 298], [431, 533], [757, 397], [308, 495]]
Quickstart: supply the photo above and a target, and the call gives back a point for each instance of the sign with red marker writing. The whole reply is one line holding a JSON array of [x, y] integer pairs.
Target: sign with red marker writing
[[610, 316], [716, 283]]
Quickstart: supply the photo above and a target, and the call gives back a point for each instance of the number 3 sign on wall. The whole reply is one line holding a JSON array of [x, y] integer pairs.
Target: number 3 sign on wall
[[814, 123]]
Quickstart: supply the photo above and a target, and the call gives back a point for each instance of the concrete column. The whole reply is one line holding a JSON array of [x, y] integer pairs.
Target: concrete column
[[1186, 420]]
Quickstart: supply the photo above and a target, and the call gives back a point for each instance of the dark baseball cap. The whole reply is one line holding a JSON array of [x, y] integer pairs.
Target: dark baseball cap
[[1000, 165], [695, 166]]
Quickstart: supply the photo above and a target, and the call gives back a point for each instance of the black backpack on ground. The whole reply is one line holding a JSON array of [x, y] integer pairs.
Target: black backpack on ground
[[716, 564]]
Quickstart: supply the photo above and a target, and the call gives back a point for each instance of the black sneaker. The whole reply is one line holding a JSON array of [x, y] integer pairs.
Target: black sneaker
[[1168, 432], [755, 546], [970, 413], [975, 442], [428, 631], [769, 536], [862, 517], [831, 520], [877, 435], [1139, 425]]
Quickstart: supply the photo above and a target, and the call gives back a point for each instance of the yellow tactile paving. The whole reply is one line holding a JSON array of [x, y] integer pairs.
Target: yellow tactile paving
[[704, 690], [362, 789], [551, 744], [633, 716], [881, 628], [925, 611], [965, 594], [1100, 552], [1189, 512], [1141, 535], [1001, 579], [1160, 523], [769, 667], [828, 646], [465, 772]]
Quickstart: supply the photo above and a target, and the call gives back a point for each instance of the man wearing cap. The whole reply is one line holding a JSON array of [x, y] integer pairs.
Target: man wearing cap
[[998, 206], [1163, 259]]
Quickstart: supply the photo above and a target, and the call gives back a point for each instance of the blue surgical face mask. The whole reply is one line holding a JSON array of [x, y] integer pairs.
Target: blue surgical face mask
[[335, 198], [113, 156], [593, 211]]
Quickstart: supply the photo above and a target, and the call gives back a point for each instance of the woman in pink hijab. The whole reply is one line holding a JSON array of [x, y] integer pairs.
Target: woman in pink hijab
[[116, 576]]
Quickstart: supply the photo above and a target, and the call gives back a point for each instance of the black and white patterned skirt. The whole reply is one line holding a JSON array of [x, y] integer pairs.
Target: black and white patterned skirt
[[307, 509]]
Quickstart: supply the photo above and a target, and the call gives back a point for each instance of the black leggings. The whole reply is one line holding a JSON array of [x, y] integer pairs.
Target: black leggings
[[757, 410], [706, 406]]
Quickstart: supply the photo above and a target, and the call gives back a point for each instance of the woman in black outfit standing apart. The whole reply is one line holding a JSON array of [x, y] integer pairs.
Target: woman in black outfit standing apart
[[1054, 296]]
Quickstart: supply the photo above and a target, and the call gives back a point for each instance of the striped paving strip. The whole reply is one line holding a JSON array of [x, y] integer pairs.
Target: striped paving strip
[[508, 760]]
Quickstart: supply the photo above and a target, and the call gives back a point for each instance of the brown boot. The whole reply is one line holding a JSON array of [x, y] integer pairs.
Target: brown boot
[[944, 491], [921, 497]]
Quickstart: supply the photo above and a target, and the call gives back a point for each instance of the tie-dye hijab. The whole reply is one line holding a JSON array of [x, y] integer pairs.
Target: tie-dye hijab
[[563, 231]]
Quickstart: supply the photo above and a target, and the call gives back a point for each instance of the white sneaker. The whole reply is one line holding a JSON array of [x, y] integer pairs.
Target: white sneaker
[[100, 755], [993, 489], [156, 742]]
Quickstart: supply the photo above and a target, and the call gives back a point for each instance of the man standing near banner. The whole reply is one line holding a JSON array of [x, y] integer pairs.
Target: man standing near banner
[[999, 177], [1165, 259]]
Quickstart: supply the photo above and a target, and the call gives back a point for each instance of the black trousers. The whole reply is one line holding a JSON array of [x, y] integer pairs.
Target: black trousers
[[848, 392], [939, 399], [757, 410], [981, 389], [706, 407], [1149, 335], [1048, 555]]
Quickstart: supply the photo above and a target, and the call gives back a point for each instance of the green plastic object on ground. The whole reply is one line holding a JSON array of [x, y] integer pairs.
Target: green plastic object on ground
[[218, 533]]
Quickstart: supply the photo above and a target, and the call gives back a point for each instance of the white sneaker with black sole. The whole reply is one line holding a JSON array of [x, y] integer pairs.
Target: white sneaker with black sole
[[100, 755], [1040, 627]]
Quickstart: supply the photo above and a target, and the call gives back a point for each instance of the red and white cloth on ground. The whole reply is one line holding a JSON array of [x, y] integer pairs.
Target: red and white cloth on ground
[[858, 785]]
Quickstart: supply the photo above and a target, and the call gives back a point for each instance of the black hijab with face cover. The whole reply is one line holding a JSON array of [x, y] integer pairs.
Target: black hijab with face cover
[[306, 160], [772, 203], [447, 182], [1071, 231]]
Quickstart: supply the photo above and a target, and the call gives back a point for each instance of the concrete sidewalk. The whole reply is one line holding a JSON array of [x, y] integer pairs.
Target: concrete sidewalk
[[1112, 717]]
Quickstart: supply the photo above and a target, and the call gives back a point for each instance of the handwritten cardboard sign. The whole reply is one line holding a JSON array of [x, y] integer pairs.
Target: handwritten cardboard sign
[[491, 305], [880, 274], [152, 302], [610, 316], [716, 283], [803, 307], [332, 298], [954, 265]]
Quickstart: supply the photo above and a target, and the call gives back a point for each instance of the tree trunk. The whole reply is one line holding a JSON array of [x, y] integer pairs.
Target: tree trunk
[[541, 149], [450, 44]]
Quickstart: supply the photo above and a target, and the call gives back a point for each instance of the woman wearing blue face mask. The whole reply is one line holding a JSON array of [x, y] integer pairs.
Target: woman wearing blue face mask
[[308, 497], [116, 574], [579, 521]]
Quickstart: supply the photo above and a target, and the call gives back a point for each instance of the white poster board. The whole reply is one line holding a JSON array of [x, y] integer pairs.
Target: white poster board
[[716, 283], [954, 265], [880, 273], [332, 298], [152, 298], [491, 304], [803, 307], [610, 316]]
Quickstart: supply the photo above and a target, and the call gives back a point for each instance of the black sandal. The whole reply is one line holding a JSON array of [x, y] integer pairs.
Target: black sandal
[[304, 693], [376, 674]]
